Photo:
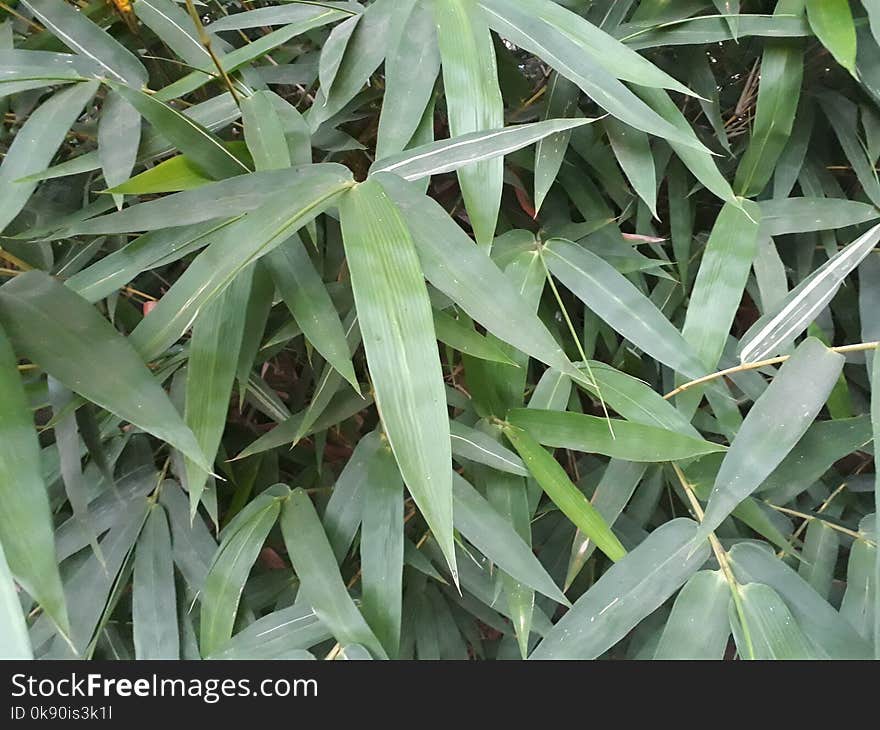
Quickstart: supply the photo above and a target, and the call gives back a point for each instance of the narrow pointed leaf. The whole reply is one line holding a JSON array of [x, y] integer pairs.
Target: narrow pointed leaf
[[464, 151], [226, 578], [319, 576], [565, 495], [698, 627], [36, 143], [803, 304], [630, 590], [382, 537], [478, 521], [617, 301], [398, 333], [773, 426], [25, 520], [153, 597], [620, 439], [69, 339]]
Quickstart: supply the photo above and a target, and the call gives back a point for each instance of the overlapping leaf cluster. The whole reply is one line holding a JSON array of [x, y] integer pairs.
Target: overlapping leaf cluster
[[439, 329]]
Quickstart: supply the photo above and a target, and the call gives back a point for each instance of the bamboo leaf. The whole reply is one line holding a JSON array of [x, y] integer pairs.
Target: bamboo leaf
[[617, 301], [474, 104], [319, 577], [226, 578], [398, 334], [630, 590], [80, 34], [79, 351], [14, 642], [794, 314], [773, 426], [382, 537], [26, 519], [702, 602], [153, 600], [622, 440], [36, 144], [565, 495], [832, 22]]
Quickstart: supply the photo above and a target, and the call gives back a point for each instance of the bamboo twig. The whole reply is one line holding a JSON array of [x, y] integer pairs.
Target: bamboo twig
[[858, 347], [205, 40]]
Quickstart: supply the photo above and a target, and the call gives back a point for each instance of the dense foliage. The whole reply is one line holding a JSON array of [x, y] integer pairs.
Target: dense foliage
[[397, 329]]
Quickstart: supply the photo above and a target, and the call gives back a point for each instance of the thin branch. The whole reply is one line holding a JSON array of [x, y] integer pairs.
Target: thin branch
[[858, 347], [205, 40]]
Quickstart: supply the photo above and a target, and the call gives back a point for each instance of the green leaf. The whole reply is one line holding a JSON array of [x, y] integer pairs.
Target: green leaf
[[832, 22], [169, 176], [66, 337], [474, 104], [617, 301], [213, 357], [561, 103], [721, 280], [823, 626], [26, 519], [573, 60], [226, 578], [174, 26], [633, 152], [224, 199], [263, 132], [80, 34], [698, 627], [773, 633], [306, 196], [382, 539], [462, 152], [14, 642], [119, 134], [617, 485], [860, 599], [319, 576], [782, 70], [804, 303], [281, 634], [875, 421], [616, 58], [775, 423], [630, 590], [145, 252], [696, 158], [411, 68], [35, 145], [203, 148], [456, 267], [635, 400], [481, 524], [363, 54], [565, 495], [398, 333], [483, 449], [462, 337], [153, 596], [799, 215], [820, 557], [618, 439], [306, 296], [285, 14]]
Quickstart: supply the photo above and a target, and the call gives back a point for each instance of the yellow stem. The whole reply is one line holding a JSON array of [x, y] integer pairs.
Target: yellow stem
[[858, 347], [205, 40]]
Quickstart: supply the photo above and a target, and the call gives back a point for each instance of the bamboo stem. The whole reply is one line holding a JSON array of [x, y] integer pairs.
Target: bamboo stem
[[720, 555], [858, 347], [205, 40]]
